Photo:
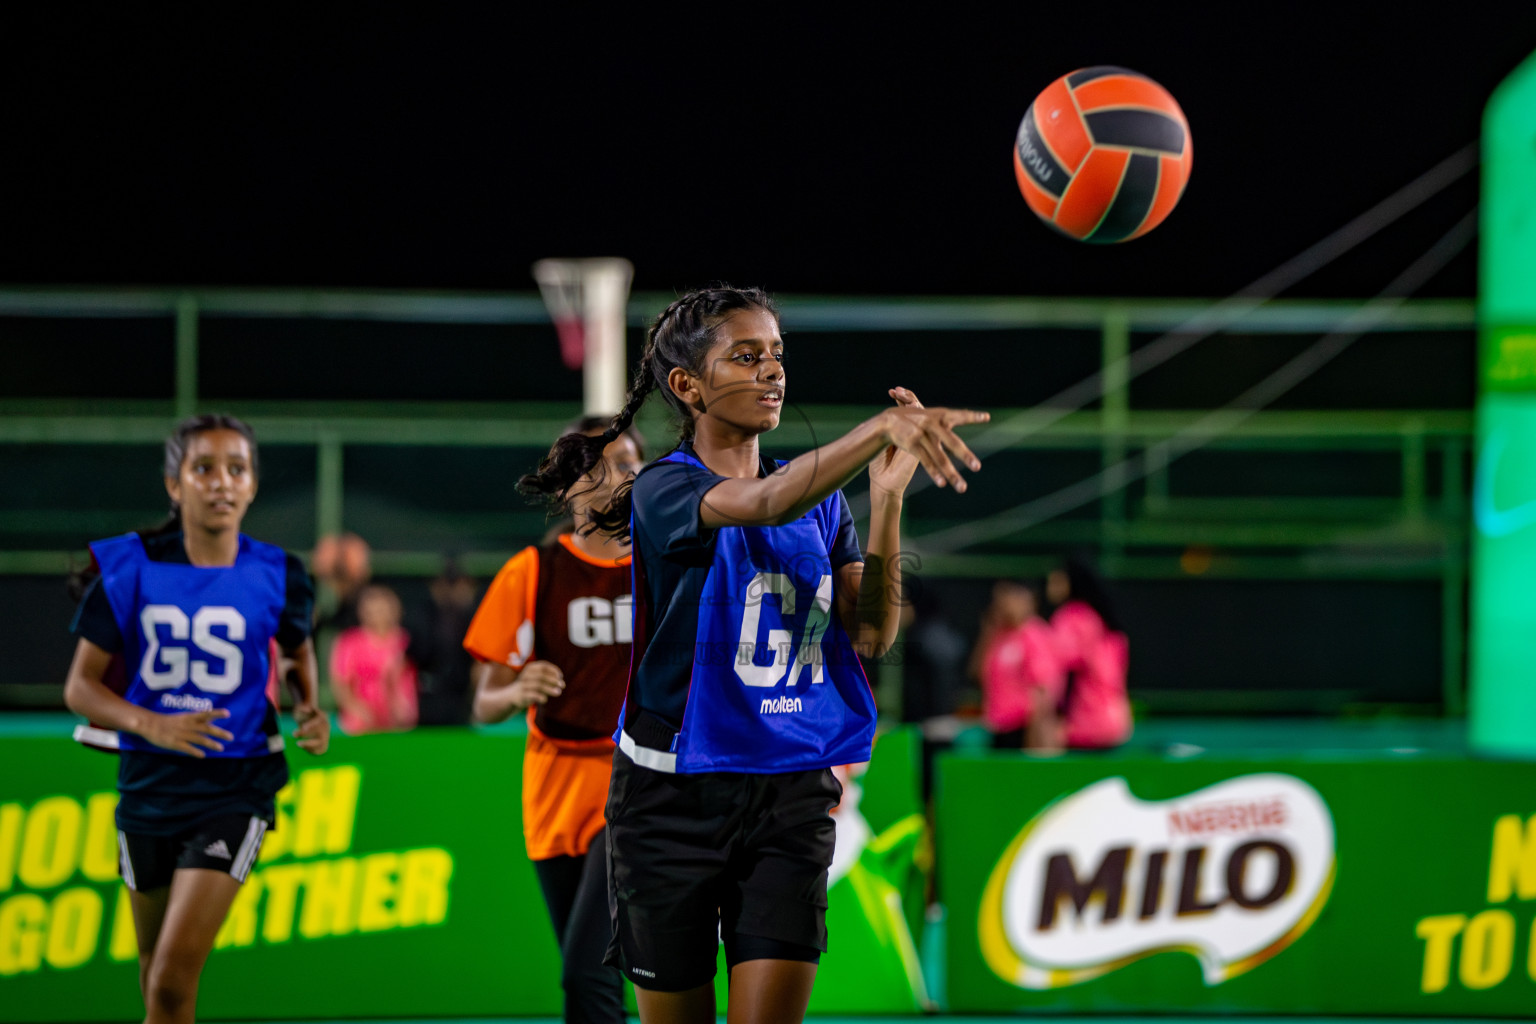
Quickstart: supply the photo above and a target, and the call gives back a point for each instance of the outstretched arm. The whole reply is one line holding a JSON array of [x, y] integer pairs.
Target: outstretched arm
[[926, 435]]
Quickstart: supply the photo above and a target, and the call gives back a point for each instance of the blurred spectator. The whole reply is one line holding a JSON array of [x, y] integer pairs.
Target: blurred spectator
[[342, 565], [372, 679], [1095, 652], [933, 680], [933, 657], [1011, 604], [437, 647], [1022, 677]]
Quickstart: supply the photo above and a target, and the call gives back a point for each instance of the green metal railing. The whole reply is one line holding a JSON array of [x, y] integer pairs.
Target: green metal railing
[[1143, 534]]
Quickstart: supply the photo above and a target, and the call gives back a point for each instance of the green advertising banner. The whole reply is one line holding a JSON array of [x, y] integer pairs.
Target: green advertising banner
[[1502, 699], [1392, 885], [395, 885]]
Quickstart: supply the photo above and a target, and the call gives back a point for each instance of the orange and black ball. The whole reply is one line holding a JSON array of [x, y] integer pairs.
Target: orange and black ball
[[1103, 154]]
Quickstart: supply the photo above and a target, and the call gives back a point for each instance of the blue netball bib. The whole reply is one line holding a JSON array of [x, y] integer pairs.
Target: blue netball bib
[[197, 638], [775, 684]]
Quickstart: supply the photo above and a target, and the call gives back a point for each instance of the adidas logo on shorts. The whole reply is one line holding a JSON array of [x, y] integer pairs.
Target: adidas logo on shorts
[[218, 848]]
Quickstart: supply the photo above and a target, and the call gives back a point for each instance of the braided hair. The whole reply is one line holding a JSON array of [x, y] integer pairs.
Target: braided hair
[[680, 337]]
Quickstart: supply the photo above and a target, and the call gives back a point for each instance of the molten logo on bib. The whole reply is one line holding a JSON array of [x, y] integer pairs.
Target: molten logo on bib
[[1232, 874]]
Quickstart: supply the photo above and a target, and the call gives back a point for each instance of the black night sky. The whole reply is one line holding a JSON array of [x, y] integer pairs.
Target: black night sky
[[807, 148]]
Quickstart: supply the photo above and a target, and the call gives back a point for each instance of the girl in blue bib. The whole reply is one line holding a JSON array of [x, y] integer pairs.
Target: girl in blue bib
[[752, 605], [175, 640]]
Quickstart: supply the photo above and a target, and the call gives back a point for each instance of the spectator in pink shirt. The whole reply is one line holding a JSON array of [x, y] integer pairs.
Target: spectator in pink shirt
[[1094, 651], [1021, 669], [372, 679]]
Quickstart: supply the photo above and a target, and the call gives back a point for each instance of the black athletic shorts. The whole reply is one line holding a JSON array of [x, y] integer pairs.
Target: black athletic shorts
[[695, 860], [227, 843]]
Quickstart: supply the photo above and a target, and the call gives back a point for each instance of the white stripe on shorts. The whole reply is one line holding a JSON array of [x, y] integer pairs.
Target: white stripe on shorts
[[123, 860], [246, 855], [95, 736], [645, 757]]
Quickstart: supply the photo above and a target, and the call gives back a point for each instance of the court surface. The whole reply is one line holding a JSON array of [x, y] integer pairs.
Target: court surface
[[967, 1019]]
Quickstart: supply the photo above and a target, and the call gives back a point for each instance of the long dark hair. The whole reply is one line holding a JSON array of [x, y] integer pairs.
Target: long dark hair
[[561, 515], [176, 444], [1086, 585], [589, 424], [680, 337]]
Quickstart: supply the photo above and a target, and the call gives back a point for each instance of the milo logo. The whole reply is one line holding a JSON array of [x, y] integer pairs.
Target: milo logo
[[1231, 874]]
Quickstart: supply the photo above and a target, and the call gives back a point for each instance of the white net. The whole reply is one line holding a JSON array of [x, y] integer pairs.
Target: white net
[[586, 299], [560, 285]]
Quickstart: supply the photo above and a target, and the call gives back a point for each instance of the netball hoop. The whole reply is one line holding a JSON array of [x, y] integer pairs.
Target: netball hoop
[[586, 300]]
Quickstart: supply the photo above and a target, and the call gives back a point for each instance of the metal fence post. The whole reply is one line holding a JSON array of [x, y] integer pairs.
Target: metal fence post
[[1415, 470], [1453, 581], [328, 485], [186, 356], [1114, 418]]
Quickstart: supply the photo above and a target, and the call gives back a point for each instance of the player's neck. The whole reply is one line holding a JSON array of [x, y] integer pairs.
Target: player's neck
[[728, 452], [208, 550], [597, 544]]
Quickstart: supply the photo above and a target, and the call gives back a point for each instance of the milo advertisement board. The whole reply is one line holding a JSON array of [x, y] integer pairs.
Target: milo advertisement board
[[395, 885], [1396, 885]]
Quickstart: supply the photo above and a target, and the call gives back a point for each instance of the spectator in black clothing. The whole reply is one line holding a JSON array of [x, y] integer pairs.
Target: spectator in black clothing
[[343, 565], [933, 657], [437, 647]]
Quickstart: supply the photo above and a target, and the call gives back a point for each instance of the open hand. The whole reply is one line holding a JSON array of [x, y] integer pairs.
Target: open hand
[[892, 469], [189, 732], [928, 436]]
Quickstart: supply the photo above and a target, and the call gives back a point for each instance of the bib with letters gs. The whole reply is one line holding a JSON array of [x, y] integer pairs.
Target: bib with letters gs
[[195, 638]]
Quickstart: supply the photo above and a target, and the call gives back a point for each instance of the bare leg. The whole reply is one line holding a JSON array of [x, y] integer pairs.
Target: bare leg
[[694, 1006], [770, 992], [148, 914], [199, 902]]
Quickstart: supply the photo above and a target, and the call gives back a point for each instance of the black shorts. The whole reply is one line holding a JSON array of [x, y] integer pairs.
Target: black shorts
[[227, 843], [695, 860]]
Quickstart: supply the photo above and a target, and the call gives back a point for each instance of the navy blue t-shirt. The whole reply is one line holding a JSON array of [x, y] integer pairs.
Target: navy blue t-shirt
[[674, 555], [165, 794]]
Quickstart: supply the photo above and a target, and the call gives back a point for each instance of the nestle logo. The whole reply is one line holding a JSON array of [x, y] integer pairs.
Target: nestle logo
[[1252, 816]]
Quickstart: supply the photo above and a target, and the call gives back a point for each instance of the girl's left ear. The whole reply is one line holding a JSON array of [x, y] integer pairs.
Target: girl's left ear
[[682, 384], [173, 489]]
